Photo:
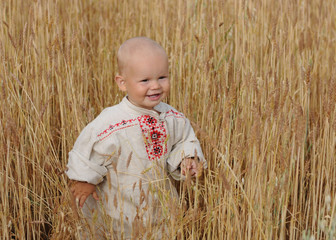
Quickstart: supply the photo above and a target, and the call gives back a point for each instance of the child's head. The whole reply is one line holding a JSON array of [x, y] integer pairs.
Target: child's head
[[143, 72]]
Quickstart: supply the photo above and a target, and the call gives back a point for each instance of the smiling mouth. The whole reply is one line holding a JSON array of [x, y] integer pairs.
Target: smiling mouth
[[154, 96]]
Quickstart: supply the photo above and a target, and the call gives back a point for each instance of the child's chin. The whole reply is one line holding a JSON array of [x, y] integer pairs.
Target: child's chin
[[151, 105]]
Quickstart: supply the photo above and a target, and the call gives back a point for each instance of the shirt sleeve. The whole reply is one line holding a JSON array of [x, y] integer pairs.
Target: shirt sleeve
[[187, 146], [84, 163]]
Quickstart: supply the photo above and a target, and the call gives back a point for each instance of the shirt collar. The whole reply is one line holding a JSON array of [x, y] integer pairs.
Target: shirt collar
[[158, 109]]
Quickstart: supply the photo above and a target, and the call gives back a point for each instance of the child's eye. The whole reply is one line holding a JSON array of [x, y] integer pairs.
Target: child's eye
[[162, 77], [144, 80]]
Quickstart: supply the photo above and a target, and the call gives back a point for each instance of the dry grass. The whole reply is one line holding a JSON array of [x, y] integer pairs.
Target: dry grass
[[257, 79]]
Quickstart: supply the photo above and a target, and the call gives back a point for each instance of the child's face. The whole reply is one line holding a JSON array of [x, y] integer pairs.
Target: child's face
[[146, 79]]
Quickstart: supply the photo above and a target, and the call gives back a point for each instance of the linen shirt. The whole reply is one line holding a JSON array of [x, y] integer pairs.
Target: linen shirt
[[129, 153]]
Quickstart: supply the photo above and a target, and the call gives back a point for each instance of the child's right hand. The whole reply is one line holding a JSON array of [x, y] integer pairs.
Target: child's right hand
[[192, 167], [81, 191]]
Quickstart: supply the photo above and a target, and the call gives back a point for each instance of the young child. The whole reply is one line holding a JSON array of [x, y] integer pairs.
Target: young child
[[125, 157]]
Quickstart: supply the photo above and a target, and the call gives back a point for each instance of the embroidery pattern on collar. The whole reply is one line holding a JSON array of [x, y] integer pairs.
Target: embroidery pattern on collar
[[174, 113], [154, 134], [116, 127]]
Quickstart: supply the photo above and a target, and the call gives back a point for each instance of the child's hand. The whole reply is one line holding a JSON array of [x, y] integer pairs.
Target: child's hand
[[190, 166], [81, 191]]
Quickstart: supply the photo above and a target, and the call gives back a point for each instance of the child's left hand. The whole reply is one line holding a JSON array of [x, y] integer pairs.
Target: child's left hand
[[190, 166]]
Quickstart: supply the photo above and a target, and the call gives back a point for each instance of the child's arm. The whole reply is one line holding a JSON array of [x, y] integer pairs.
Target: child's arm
[[81, 191], [186, 154], [86, 168]]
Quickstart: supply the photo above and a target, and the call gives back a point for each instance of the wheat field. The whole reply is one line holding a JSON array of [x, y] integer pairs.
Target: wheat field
[[256, 79]]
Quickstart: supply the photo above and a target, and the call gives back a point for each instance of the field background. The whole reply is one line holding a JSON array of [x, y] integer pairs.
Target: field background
[[256, 78]]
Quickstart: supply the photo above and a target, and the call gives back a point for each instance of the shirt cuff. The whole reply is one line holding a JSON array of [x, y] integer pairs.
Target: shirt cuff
[[81, 169]]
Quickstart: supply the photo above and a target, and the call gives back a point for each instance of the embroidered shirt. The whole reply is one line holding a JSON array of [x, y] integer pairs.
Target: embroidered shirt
[[127, 148]]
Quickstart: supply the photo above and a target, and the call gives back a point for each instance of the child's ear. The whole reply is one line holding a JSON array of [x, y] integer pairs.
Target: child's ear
[[121, 82]]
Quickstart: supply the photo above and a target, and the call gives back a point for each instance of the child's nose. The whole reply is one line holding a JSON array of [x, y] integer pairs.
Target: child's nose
[[155, 84]]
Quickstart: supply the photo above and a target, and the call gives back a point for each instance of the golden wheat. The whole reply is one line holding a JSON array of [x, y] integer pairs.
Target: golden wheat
[[256, 78]]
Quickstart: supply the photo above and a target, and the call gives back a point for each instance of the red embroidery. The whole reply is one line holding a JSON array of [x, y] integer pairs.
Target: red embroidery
[[117, 130], [116, 127], [155, 135], [153, 131], [174, 113]]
